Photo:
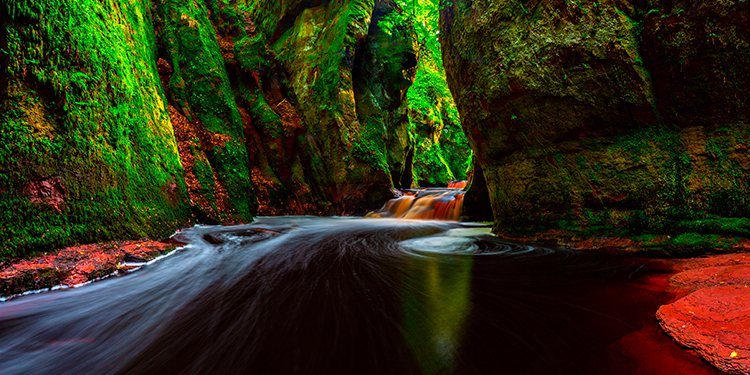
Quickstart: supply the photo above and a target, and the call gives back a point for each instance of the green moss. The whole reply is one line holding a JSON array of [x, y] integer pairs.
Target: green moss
[[268, 120], [371, 148], [689, 244], [430, 169], [83, 110], [193, 48]]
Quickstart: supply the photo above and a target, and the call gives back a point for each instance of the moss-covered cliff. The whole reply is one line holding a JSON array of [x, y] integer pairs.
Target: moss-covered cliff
[[606, 117], [130, 118], [205, 117], [436, 149], [442, 152], [87, 150]]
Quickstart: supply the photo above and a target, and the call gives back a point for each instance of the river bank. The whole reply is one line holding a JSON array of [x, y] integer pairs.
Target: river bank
[[711, 313], [76, 265]]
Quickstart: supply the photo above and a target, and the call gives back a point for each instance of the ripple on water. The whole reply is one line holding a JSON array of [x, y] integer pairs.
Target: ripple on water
[[469, 241]]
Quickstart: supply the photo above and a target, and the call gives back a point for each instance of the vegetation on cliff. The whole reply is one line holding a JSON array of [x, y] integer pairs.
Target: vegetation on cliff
[[131, 118], [87, 148], [441, 151], [606, 118]]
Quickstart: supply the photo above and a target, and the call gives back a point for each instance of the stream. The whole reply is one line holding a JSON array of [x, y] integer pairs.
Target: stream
[[310, 295]]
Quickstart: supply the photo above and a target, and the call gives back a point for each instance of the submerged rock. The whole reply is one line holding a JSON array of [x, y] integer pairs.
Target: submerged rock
[[598, 117]]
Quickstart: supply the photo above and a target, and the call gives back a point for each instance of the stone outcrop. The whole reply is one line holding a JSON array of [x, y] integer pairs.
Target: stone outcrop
[[75, 265], [345, 80], [605, 117], [382, 75], [714, 318], [441, 150], [477, 205], [204, 115]]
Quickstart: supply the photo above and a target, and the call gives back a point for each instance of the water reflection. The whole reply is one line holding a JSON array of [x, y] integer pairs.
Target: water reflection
[[436, 303]]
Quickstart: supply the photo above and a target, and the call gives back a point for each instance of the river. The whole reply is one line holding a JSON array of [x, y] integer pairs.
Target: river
[[308, 295]]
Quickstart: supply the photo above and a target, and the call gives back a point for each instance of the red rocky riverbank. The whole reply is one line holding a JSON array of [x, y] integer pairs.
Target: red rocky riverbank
[[77, 264], [711, 313]]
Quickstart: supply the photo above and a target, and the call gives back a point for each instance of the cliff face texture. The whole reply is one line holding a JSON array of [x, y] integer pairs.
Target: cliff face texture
[[123, 119], [87, 147], [329, 69], [607, 116], [441, 151]]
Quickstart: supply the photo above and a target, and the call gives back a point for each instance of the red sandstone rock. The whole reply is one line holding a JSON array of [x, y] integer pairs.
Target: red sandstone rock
[[715, 321], [48, 190], [698, 278], [75, 265], [714, 261]]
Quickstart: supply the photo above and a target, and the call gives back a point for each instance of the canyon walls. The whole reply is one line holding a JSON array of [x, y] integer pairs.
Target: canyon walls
[[606, 117], [339, 84], [131, 118]]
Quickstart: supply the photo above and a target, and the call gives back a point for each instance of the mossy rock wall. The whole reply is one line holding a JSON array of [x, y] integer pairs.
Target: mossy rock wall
[[87, 150], [131, 118], [606, 117], [321, 93], [206, 119], [348, 119], [441, 152], [382, 76]]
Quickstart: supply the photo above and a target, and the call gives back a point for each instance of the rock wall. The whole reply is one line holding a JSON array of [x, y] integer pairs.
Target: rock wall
[[87, 150], [130, 118], [203, 112], [324, 88], [606, 117], [441, 151]]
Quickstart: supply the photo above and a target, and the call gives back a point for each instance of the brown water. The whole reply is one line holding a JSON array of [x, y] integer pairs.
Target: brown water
[[308, 295]]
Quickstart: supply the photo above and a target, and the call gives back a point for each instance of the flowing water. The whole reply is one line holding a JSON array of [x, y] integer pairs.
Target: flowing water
[[424, 204], [306, 295]]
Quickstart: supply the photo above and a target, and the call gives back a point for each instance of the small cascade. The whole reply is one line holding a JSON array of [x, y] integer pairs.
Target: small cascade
[[424, 204], [457, 184]]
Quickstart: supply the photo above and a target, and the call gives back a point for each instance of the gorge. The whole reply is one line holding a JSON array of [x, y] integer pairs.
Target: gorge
[[595, 132]]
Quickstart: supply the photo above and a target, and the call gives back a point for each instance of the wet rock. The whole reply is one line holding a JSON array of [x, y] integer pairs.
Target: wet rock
[[477, 206], [320, 89], [203, 112], [701, 277], [47, 190], [714, 317], [130, 258], [75, 265], [715, 322]]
